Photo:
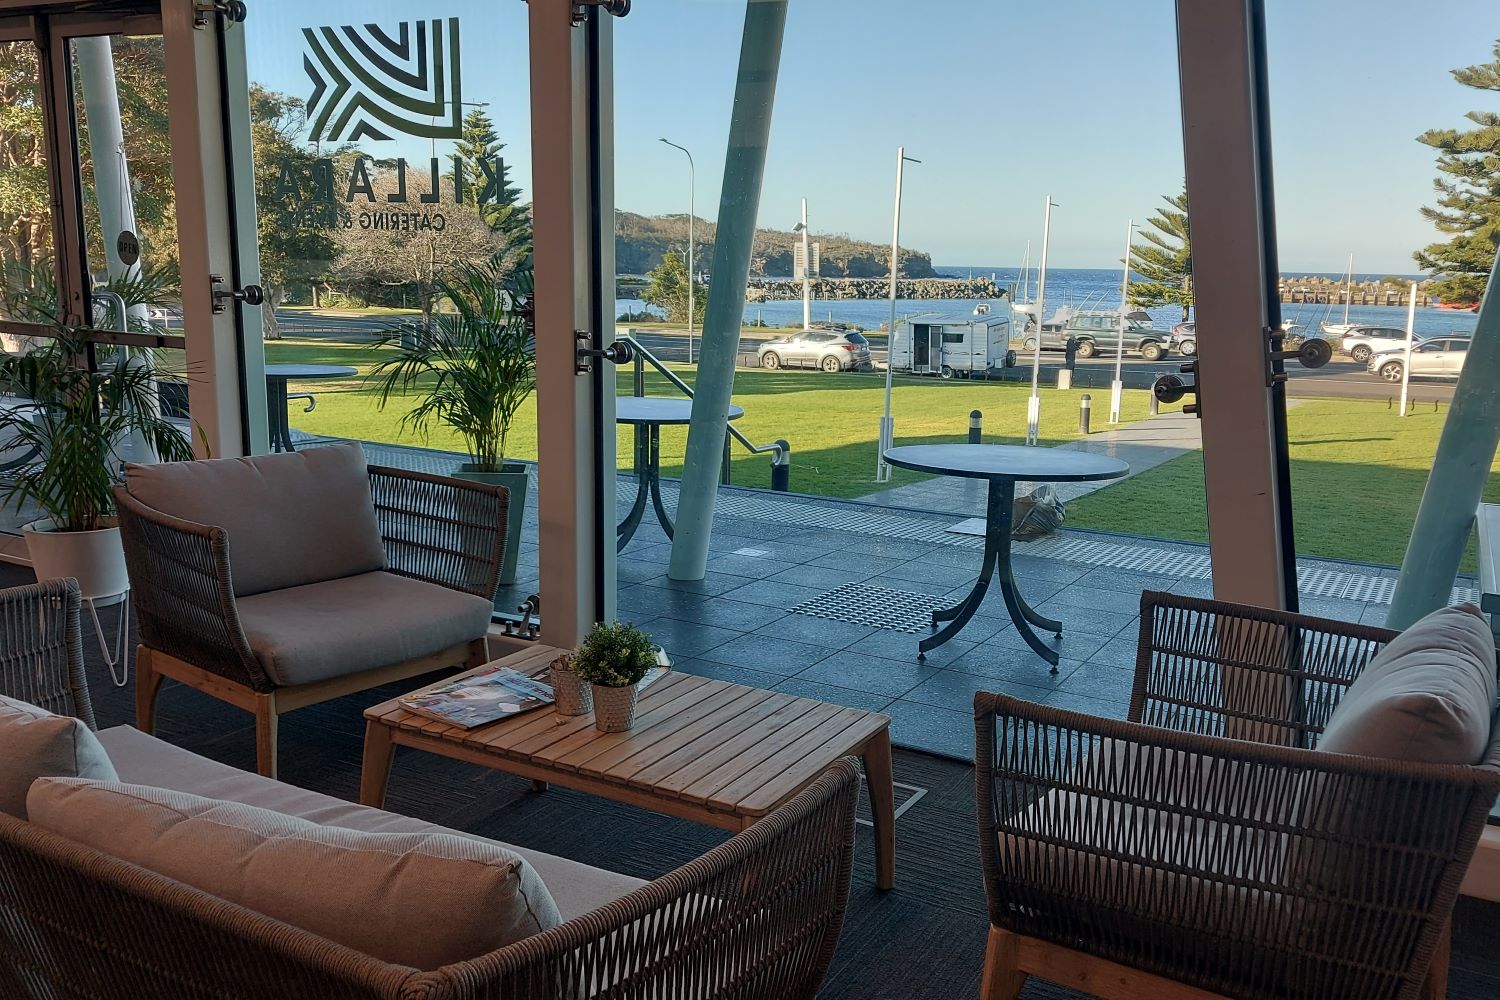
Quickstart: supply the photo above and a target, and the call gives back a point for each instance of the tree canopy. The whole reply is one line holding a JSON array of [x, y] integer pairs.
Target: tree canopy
[[667, 288], [1165, 259], [1468, 189]]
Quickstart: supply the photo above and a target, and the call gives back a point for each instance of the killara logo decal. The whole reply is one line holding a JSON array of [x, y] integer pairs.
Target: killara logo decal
[[370, 85]]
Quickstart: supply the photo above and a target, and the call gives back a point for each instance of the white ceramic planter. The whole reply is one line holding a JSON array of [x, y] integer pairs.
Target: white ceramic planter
[[95, 559], [614, 708], [573, 696]]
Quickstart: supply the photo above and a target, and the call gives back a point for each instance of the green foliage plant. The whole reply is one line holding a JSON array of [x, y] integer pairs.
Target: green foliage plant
[[614, 655], [471, 368], [75, 418], [1165, 258]]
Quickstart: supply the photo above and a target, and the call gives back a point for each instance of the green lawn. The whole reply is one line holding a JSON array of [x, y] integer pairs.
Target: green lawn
[[831, 421], [1358, 469]]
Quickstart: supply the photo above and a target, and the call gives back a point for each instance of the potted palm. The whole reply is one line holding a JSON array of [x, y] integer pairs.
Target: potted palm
[[74, 418], [471, 368], [613, 658]]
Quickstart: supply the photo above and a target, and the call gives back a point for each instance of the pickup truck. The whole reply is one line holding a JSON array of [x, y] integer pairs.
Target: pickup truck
[[1099, 333]]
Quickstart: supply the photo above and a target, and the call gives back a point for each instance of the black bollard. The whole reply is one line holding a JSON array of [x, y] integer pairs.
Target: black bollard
[[976, 421], [1085, 405], [781, 467]]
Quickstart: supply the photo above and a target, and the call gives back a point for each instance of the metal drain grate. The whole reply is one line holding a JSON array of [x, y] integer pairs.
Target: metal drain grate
[[876, 607]]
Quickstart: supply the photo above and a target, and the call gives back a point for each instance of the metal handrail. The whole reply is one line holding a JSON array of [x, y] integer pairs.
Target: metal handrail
[[643, 355]]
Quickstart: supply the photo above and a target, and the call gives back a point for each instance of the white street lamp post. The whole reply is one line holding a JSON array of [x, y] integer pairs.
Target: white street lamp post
[[801, 227], [887, 424], [692, 213], [1034, 404], [1411, 326], [1117, 387]]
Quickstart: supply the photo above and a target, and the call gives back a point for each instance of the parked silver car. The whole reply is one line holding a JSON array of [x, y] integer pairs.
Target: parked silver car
[[1439, 357], [830, 350], [1364, 342]]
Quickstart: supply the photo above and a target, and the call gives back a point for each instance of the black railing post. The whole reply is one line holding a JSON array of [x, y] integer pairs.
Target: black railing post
[[781, 467], [725, 476], [976, 424]]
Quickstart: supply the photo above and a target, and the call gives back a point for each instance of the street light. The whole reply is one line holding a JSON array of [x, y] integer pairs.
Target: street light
[[801, 227], [1034, 404], [692, 211], [887, 424], [1117, 387]]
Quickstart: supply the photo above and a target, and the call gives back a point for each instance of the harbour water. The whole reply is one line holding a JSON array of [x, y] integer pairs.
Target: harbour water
[[1078, 287]]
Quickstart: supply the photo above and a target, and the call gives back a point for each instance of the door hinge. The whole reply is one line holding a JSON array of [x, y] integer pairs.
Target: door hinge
[[233, 12], [619, 8]]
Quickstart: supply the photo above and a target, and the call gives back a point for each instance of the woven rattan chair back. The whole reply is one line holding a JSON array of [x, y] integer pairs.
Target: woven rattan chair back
[[41, 648]]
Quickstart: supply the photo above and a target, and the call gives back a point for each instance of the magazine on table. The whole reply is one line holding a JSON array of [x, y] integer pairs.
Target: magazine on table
[[479, 698]]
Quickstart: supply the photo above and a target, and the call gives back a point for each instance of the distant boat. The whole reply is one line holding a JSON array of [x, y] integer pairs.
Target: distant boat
[[1339, 329]]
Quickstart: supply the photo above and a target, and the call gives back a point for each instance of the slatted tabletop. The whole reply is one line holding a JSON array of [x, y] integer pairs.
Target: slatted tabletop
[[704, 749]]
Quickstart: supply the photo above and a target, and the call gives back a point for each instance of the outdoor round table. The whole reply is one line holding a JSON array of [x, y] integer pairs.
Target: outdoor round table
[[647, 414], [1003, 466], [277, 376]]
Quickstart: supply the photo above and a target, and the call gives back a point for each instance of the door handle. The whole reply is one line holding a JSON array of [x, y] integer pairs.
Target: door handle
[[619, 352], [251, 295]]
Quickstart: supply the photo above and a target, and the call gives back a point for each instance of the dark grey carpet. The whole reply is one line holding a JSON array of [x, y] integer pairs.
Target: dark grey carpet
[[925, 939]]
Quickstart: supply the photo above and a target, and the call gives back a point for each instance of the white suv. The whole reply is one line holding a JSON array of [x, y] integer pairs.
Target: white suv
[[1362, 342], [1440, 357]]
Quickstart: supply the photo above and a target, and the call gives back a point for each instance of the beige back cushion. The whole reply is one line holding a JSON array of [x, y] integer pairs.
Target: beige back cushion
[[416, 899], [293, 518], [1427, 697], [34, 743]]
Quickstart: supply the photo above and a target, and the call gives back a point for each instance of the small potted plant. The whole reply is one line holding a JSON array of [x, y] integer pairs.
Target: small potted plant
[[571, 694], [471, 369], [74, 418], [613, 658]]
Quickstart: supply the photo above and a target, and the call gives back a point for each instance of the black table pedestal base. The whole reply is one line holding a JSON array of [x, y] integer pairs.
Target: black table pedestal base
[[648, 478], [997, 564]]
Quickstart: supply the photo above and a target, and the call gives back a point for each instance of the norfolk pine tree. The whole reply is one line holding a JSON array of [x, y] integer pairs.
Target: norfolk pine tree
[[1165, 259], [1468, 204]]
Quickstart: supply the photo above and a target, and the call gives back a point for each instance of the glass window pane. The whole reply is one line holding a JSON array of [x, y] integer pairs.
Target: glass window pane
[[28, 287]]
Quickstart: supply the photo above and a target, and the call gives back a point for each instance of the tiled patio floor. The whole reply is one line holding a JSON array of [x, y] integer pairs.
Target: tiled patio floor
[[774, 553]]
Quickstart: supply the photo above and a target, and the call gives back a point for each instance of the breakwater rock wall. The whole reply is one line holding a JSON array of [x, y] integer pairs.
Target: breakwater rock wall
[[767, 290]]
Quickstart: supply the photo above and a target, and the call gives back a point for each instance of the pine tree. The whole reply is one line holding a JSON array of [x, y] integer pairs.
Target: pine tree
[[1468, 204], [667, 288], [480, 141], [1165, 260]]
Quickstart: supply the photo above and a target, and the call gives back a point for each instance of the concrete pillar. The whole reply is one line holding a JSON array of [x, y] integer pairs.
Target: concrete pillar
[[739, 205], [1459, 471]]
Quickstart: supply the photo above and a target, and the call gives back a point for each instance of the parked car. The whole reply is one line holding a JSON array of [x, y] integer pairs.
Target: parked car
[[1439, 357], [1362, 342], [1185, 338], [1099, 333], [830, 350]]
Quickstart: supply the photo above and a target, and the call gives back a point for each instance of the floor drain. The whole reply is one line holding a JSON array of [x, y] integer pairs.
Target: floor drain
[[876, 607]]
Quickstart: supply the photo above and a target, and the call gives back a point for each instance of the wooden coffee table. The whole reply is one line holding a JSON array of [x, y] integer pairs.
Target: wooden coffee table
[[705, 750]]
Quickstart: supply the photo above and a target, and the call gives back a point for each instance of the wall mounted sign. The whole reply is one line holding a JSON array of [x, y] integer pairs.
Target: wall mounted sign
[[128, 247], [370, 85]]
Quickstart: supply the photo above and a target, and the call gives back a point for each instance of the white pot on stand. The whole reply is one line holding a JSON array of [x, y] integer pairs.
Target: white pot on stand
[[96, 559]]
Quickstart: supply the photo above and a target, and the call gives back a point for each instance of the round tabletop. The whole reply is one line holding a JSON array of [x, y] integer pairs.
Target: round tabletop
[[1007, 461], [660, 410], [310, 371]]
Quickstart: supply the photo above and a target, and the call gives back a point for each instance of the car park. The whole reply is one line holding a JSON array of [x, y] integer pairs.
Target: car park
[[830, 350], [1438, 357]]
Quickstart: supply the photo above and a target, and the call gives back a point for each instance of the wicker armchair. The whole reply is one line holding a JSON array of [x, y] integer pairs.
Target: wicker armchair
[[351, 630], [41, 648], [757, 916], [1206, 847]]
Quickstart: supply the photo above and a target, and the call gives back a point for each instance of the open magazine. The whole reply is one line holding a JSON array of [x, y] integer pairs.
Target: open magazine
[[492, 693], [479, 698]]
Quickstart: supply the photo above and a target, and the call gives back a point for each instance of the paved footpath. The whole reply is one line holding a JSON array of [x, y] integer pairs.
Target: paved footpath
[[1142, 445]]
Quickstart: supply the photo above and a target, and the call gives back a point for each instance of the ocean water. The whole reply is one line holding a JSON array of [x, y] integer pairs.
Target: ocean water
[[1080, 288]]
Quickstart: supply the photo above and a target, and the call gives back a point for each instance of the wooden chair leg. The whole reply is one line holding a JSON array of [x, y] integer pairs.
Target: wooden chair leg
[[1435, 986], [266, 721], [1002, 980], [147, 687]]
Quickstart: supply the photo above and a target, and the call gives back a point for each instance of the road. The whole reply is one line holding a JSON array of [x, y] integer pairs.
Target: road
[[1340, 378]]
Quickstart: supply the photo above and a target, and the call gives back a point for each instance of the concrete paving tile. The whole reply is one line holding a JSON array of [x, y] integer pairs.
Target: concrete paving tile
[[936, 576], [727, 672], [1094, 599], [680, 638], [932, 729], [725, 613], [776, 595], [954, 690], [1128, 581], [752, 567], [819, 631], [902, 646], [822, 577], [1013, 664], [871, 565], [1105, 683], [763, 652], [1074, 645], [872, 674], [712, 584]]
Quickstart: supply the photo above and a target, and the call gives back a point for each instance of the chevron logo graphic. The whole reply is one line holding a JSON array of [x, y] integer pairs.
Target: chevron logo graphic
[[371, 84]]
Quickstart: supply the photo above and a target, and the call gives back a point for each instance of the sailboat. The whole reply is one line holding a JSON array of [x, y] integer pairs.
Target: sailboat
[[1339, 329]]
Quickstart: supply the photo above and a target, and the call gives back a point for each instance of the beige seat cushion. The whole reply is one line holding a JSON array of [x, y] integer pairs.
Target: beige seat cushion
[[293, 518], [423, 900], [34, 743], [1427, 697], [357, 623], [576, 888]]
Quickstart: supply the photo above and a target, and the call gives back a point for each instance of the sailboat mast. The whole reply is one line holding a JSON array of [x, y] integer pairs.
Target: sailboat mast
[[1348, 288]]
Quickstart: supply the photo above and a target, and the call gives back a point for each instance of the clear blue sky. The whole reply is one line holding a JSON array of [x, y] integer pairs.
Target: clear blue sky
[[1005, 103]]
